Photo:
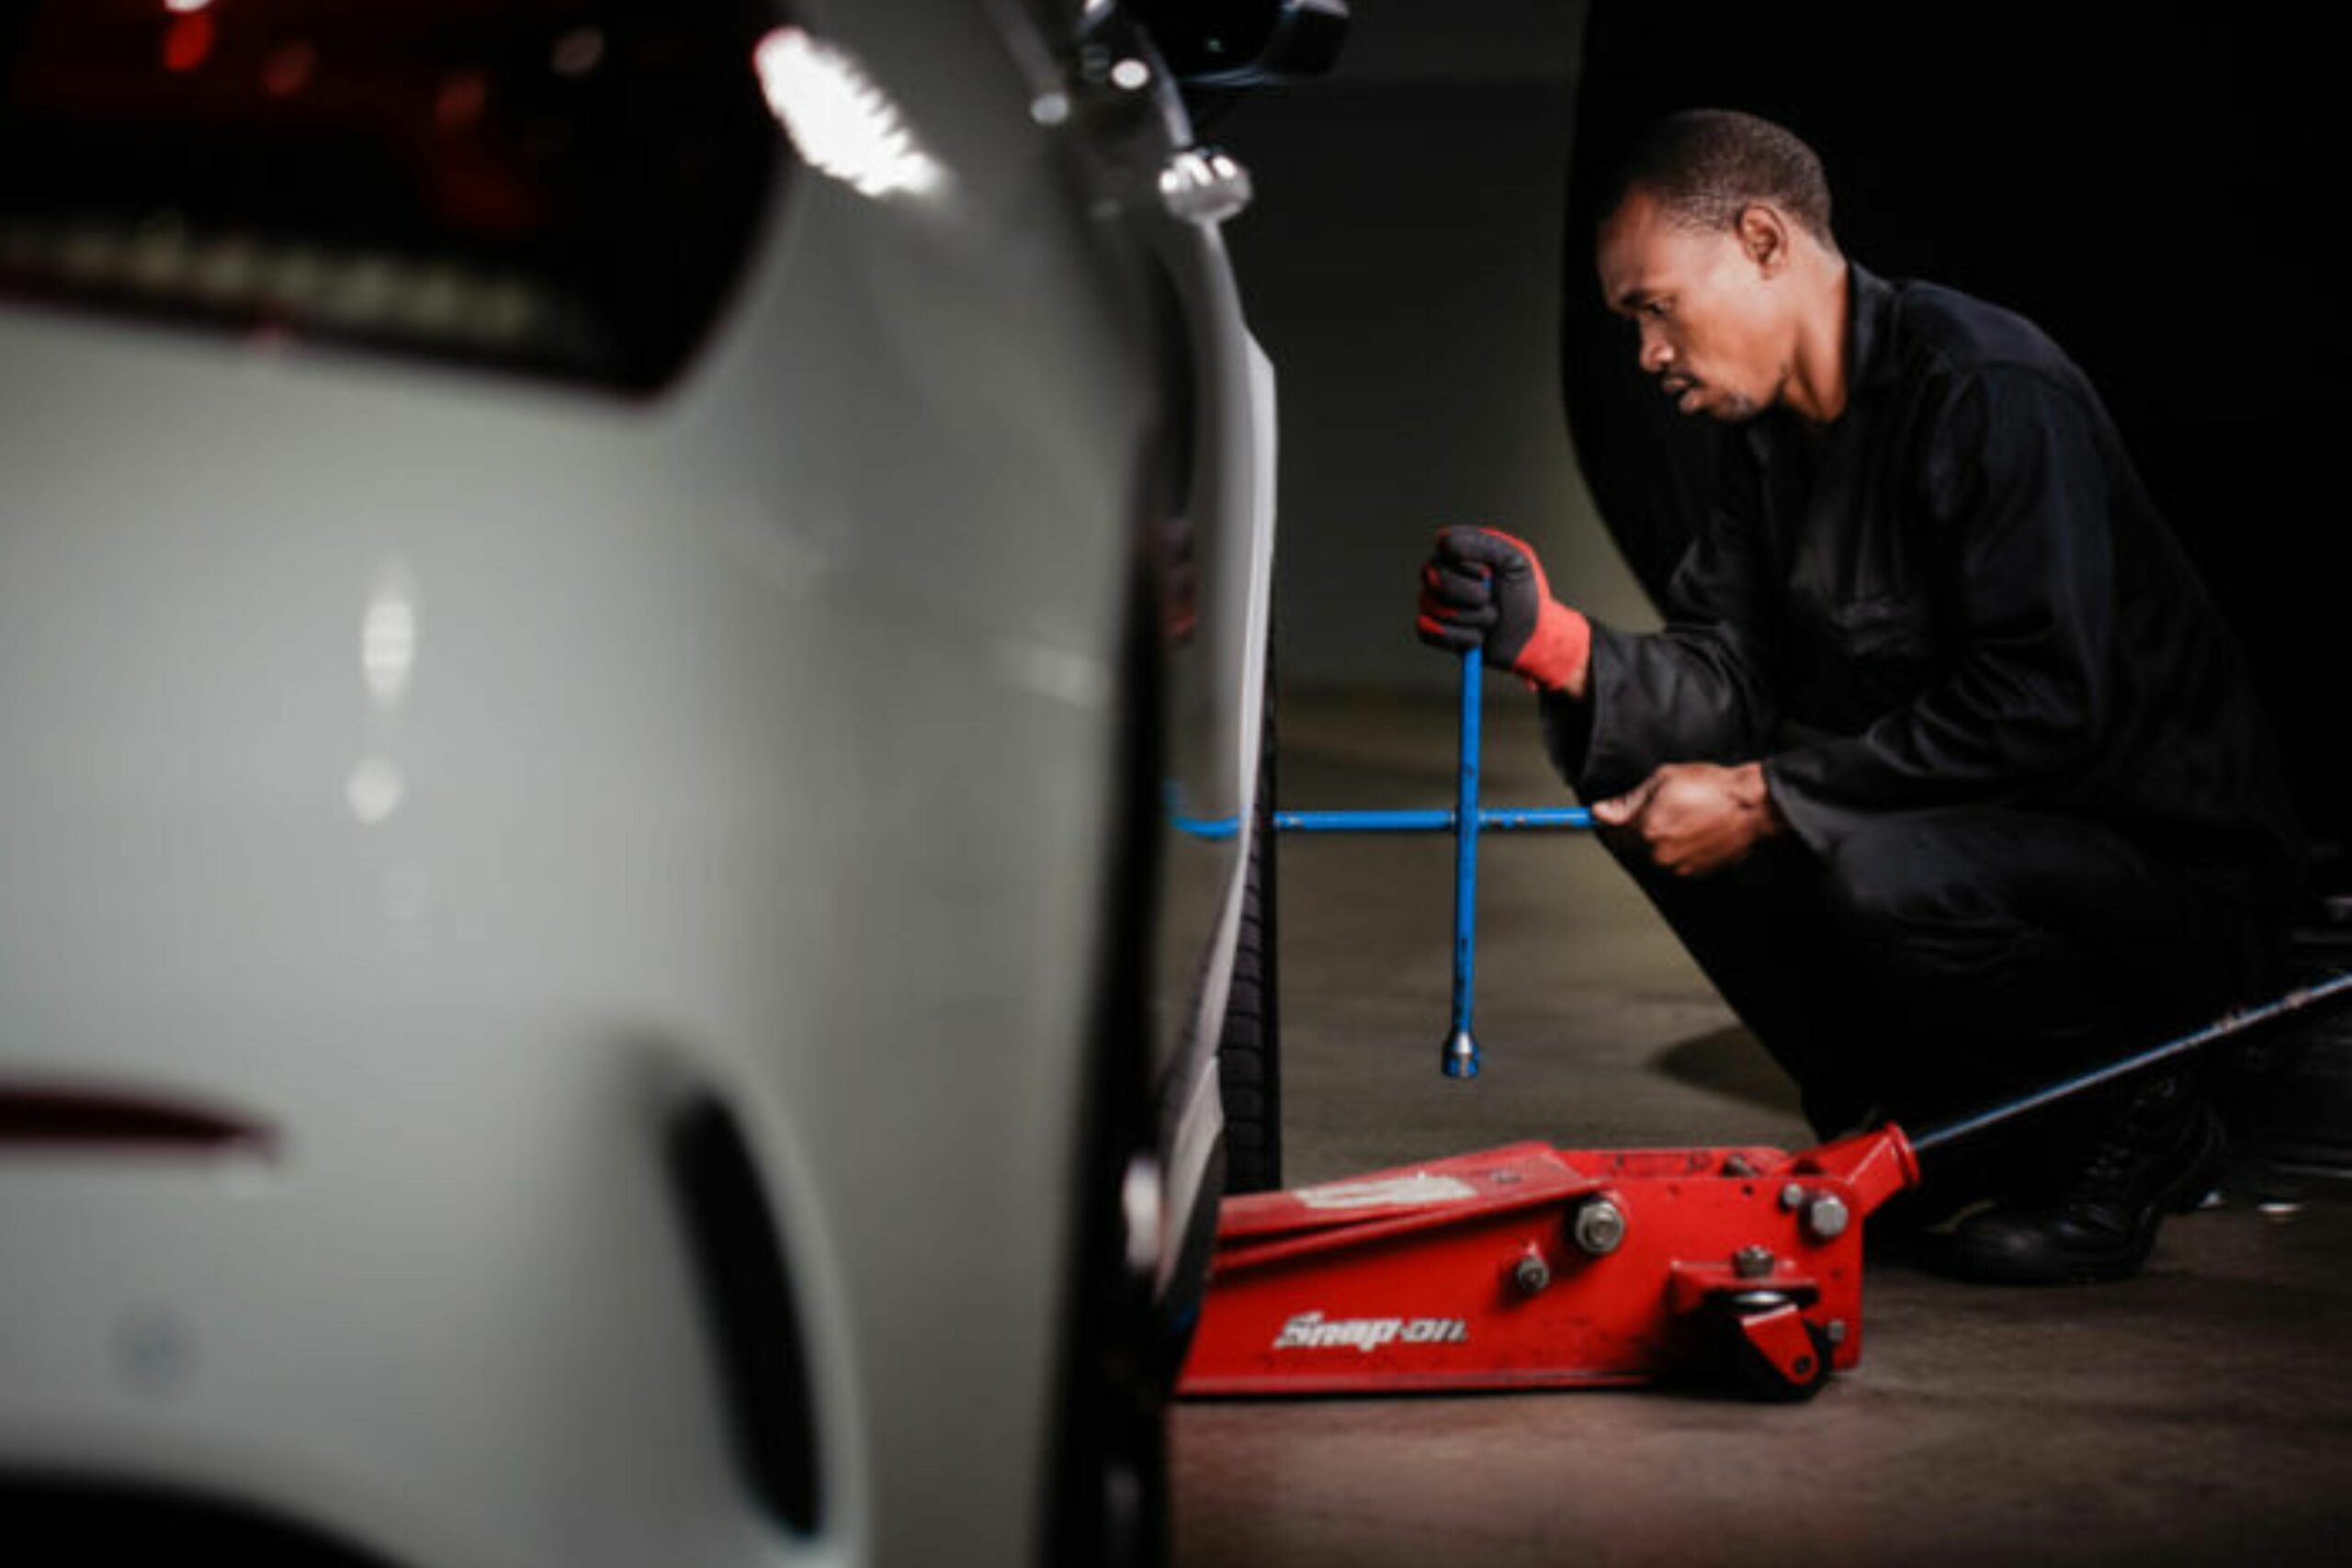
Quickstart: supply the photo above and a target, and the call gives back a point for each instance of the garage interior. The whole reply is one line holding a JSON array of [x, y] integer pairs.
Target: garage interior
[[2199, 1413], [1404, 265]]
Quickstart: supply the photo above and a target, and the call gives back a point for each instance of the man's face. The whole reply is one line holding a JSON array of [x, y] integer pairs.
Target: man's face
[[1710, 328]]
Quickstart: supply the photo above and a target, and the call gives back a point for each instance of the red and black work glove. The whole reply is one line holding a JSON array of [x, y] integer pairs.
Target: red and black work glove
[[1482, 588]]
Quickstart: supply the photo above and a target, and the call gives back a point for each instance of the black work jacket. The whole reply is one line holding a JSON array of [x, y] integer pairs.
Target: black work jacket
[[1956, 593]]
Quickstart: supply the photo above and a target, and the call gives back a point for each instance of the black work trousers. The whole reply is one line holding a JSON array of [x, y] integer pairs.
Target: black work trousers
[[1936, 961]]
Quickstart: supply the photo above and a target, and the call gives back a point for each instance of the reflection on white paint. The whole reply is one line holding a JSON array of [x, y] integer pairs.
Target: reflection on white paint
[[373, 790], [388, 646], [407, 895], [1055, 673], [186, 7], [1139, 1203], [839, 120]]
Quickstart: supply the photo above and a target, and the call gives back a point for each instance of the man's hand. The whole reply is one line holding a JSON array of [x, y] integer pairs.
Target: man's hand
[[1482, 588], [1695, 817]]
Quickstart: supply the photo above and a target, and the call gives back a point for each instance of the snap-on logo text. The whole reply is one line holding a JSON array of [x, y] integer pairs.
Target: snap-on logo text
[[1310, 1331]]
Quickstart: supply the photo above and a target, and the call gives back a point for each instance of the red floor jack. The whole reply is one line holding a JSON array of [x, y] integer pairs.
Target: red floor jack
[[1532, 1267]]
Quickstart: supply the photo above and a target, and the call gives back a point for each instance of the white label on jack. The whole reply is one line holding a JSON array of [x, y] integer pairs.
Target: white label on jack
[[1311, 1331], [1413, 1192]]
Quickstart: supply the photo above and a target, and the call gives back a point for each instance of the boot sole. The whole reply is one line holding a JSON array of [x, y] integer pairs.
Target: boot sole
[[1976, 1259]]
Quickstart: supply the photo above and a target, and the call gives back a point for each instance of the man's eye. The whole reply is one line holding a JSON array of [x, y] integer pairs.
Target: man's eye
[[1655, 307]]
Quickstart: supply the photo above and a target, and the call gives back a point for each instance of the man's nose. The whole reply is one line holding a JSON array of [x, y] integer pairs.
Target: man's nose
[[1657, 354]]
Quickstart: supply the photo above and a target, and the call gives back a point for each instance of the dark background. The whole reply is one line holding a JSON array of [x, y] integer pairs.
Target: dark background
[[2159, 190]]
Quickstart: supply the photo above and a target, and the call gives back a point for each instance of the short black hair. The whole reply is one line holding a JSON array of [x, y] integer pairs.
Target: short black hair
[[1703, 165]]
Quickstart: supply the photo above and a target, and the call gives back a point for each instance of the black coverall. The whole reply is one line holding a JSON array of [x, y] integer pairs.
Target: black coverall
[[2036, 813]]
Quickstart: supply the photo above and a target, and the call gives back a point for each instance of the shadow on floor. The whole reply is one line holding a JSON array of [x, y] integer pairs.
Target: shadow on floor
[[1730, 1062]]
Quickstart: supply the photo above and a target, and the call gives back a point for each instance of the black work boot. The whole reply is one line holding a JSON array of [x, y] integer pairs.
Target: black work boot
[[2161, 1152]]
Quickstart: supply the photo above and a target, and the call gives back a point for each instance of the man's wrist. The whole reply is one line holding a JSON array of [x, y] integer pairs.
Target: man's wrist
[[1754, 791], [1559, 655]]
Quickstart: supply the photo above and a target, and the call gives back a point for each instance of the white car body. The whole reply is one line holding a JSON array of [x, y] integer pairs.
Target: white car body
[[455, 775]]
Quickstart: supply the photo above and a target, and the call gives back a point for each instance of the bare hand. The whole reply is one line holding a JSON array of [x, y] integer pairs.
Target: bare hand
[[1692, 818]]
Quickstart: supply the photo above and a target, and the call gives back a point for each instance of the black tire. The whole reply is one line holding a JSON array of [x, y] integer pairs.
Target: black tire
[[1248, 1051], [1109, 1501]]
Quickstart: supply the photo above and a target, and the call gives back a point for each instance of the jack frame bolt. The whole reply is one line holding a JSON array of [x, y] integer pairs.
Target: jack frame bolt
[[1835, 1331], [1792, 1195], [1753, 1262], [1599, 1227], [1827, 1217], [1530, 1274]]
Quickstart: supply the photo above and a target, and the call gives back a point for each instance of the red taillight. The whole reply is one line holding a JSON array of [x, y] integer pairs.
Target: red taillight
[[186, 41], [54, 1116]]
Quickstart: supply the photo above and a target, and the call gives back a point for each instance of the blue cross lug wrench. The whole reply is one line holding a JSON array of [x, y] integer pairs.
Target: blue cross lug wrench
[[1459, 1056]]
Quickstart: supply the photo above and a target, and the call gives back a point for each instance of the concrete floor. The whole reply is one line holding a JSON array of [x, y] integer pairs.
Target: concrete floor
[[2201, 1412]]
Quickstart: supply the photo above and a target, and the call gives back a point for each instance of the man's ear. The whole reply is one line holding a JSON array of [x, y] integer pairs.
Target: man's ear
[[1764, 236]]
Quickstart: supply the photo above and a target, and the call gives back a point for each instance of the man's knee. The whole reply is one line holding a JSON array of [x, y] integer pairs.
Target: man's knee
[[1909, 875], [1941, 923]]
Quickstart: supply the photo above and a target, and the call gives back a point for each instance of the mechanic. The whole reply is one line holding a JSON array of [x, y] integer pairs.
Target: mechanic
[[1944, 765]]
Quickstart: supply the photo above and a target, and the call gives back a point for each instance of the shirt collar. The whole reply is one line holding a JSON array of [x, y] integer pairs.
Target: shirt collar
[[1869, 358], [1870, 303]]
